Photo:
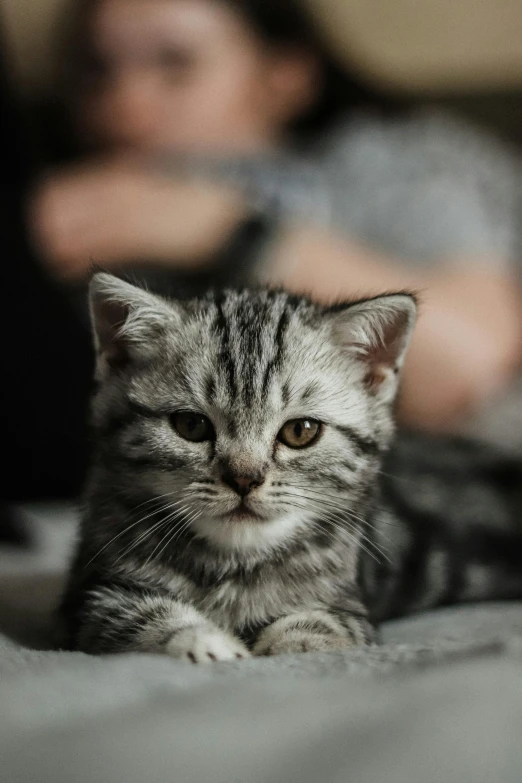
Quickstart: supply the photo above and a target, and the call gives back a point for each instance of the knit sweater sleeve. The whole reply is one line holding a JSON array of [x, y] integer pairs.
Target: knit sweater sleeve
[[425, 189]]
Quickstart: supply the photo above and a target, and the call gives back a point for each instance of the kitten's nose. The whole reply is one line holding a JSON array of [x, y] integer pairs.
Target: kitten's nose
[[243, 485]]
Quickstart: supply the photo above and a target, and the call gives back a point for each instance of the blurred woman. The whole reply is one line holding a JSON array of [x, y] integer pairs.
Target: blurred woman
[[220, 127]]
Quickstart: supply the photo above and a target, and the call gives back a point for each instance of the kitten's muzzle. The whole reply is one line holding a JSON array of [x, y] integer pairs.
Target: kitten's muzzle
[[242, 485]]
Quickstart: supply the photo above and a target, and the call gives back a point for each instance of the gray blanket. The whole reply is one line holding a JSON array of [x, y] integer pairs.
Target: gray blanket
[[439, 699]]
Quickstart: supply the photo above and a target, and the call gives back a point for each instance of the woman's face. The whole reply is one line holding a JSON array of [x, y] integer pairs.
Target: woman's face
[[188, 76]]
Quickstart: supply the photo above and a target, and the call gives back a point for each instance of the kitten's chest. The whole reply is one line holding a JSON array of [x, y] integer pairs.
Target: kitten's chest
[[240, 601], [235, 606]]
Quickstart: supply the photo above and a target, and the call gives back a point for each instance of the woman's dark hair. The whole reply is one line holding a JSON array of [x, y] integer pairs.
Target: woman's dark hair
[[278, 23]]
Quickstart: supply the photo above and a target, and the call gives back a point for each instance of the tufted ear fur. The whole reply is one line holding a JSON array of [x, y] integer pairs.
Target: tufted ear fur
[[125, 320], [377, 331]]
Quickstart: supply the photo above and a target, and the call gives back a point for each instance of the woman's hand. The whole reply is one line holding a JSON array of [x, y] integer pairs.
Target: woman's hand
[[113, 213]]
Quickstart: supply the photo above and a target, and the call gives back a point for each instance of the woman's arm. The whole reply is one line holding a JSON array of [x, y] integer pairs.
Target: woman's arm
[[468, 340], [466, 345], [115, 213]]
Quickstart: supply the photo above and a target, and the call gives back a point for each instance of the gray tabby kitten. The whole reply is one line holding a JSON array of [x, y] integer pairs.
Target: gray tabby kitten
[[233, 504]]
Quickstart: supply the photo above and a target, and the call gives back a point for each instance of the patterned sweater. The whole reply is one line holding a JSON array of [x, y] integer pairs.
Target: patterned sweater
[[424, 188]]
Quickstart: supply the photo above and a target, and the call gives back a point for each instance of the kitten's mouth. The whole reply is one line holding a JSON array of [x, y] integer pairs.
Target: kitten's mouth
[[242, 513]]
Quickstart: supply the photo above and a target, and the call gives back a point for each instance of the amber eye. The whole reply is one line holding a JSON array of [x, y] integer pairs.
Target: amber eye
[[192, 426], [300, 433]]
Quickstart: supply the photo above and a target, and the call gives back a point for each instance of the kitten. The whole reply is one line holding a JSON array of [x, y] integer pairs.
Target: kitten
[[233, 507]]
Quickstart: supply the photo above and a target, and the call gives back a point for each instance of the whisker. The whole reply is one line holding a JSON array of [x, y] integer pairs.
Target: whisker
[[332, 499], [173, 537], [150, 532], [168, 533], [348, 515], [128, 528], [340, 520], [396, 477]]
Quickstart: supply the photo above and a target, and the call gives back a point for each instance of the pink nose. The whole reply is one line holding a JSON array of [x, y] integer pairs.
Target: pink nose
[[243, 485]]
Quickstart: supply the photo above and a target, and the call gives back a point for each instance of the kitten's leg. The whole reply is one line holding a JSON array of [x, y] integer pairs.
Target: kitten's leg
[[313, 630], [116, 620]]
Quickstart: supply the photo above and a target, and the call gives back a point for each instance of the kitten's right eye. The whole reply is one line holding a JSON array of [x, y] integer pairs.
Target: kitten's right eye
[[192, 426], [300, 433]]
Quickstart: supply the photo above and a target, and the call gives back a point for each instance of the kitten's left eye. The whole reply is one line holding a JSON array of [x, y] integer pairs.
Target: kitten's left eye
[[300, 433], [192, 426]]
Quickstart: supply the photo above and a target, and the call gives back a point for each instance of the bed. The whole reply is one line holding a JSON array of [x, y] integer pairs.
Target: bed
[[439, 699]]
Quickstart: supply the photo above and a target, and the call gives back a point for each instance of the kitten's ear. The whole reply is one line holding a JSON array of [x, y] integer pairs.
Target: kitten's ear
[[377, 332], [125, 319]]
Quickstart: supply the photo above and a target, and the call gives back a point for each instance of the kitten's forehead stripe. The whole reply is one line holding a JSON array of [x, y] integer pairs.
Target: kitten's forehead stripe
[[275, 364], [252, 339], [285, 393], [225, 356]]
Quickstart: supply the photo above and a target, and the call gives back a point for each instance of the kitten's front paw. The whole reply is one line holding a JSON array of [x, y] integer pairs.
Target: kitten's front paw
[[205, 644], [298, 641]]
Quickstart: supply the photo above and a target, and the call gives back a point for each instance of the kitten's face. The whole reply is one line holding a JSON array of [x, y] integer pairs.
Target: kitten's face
[[254, 415]]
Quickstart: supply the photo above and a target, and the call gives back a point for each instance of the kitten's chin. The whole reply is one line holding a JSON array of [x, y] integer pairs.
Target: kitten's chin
[[241, 531], [242, 515]]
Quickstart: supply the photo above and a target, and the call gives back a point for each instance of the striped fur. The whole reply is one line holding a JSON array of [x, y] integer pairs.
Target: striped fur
[[163, 565]]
